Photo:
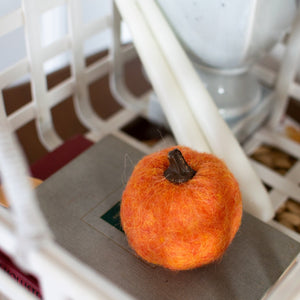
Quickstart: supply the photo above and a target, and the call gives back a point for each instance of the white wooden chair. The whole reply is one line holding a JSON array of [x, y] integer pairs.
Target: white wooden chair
[[23, 231]]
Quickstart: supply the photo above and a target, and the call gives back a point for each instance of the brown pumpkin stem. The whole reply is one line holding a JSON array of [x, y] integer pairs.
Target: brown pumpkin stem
[[178, 171]]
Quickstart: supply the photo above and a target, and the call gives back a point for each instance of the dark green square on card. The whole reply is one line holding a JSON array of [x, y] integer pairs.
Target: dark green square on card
[[112, 216]]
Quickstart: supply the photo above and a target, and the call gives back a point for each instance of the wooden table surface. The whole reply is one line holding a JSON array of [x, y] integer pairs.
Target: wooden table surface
[[65, 120]]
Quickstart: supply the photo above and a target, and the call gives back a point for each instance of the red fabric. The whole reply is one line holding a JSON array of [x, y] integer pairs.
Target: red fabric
[[26, 280], [58, 158]]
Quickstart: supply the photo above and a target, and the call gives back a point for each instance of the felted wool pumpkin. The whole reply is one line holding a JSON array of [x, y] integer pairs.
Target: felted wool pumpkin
[[180, 208]]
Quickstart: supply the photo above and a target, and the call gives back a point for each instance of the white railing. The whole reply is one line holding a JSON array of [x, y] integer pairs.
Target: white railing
[[168, 68]]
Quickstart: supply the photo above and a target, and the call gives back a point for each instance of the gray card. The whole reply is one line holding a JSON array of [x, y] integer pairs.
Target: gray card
[[81, 204]]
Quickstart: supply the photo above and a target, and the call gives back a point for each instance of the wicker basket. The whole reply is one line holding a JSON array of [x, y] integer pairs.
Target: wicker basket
[[24, 234]]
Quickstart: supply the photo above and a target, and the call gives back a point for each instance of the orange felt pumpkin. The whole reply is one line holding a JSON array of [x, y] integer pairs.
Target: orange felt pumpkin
[[181, 209]]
